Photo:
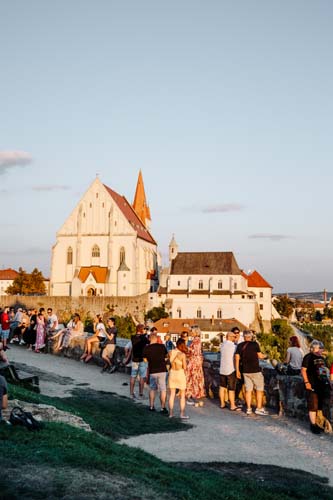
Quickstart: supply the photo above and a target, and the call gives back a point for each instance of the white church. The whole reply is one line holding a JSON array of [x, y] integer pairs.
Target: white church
[[105, 246]]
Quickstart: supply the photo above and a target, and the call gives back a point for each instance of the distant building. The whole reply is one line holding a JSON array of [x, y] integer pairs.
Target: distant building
[[105, 247], [210, 285], [209, 328], [7, 277]]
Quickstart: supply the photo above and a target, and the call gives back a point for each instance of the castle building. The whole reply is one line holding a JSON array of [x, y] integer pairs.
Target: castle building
[[210, 285], [105, 246]]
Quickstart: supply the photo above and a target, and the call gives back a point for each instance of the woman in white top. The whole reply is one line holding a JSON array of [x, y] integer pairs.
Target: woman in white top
[[98, 327], [294, 356]]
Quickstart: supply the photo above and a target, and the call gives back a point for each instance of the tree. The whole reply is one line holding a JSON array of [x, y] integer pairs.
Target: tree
[[284, 305], [156, 313], [27, 284]]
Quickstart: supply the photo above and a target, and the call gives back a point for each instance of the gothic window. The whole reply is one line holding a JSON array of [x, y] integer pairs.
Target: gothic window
[[95, 251], [70, 255], [200, 285], [179, 312], [122, 255], [235, 286], [199, 312], [219, 285], [219, 313]]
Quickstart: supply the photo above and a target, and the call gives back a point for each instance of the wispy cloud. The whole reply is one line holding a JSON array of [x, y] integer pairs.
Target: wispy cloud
[[51, 187], [10, 159], [222, 208], [269, 236], [26, 251]]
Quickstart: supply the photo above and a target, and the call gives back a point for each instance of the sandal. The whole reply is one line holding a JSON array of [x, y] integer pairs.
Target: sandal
[[88, 358], [236, 409]]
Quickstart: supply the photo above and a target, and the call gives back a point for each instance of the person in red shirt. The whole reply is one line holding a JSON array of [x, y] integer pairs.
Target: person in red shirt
[[5, 327]]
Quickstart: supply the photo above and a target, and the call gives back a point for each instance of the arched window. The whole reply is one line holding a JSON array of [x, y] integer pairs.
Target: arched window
[[69, 255], [122, 255], [200, 284], [219, 313], [219, 285], [95, 251], [199, 312], [179, 312]]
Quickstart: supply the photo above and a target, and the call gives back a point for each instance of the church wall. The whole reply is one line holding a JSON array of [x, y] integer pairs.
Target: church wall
[[265, 301], [209, 282]]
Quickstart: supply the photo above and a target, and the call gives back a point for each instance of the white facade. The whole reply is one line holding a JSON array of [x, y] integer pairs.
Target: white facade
[[103, 248], [210, 285]]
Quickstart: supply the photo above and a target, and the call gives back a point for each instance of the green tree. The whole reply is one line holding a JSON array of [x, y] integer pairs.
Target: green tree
[[125, 326], [27, 284], [284, 305], [275, 344], [156, 313]]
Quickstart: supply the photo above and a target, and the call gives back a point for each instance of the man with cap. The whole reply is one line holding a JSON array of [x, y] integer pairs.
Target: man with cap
[[248, 355]]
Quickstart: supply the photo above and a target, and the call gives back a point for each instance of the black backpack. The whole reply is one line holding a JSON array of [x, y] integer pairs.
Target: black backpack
[[20, 417]]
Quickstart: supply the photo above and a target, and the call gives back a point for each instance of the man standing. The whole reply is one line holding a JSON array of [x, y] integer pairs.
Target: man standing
[[247, 356], [227, 371], [139, 367], [5, 327], [155, 355]]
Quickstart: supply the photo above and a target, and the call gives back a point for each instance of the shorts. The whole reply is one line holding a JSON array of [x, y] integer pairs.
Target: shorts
[[139, 369], [157, 381], [254, 380], [228, 381], [5, 334], [315, 400], [108, 350]]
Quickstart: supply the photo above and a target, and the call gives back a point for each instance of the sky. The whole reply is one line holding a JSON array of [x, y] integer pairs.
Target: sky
[[226, 107]]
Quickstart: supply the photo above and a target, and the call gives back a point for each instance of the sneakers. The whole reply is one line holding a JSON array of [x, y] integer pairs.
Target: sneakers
[[141, 397], [249, 411], [22, 342], [164, 411], [133, 396], [190, 402], [184, 417], [151, 408], [261, 411], [315, 429]]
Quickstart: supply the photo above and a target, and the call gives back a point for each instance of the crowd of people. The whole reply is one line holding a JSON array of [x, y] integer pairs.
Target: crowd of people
[[173, 371]]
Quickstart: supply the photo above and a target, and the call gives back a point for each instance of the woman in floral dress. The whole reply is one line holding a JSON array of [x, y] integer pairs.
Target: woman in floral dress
[[41, 332], [195, 383]]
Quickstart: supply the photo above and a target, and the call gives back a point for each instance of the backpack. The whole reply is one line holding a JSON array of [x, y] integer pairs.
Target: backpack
[[20, 417]]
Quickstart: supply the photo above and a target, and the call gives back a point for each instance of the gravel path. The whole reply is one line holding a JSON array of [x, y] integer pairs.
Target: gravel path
[[217, 435]]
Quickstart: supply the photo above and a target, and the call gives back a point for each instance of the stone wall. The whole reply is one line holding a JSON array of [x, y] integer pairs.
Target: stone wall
[[120, 306]]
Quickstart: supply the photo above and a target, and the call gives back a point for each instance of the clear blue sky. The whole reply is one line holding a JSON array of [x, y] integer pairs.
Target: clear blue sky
[[225, 106]]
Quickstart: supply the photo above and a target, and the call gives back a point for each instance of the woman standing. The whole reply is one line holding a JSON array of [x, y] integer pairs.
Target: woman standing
[[195, 382], [177, 377], [294, 356], [41, 331]]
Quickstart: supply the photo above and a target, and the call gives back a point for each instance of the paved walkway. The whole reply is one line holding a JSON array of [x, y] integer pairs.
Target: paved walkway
[[217, 435]]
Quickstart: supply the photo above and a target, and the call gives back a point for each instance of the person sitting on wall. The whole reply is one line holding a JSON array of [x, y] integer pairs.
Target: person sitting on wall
[[108, 346], [90, 341], [73, 329]]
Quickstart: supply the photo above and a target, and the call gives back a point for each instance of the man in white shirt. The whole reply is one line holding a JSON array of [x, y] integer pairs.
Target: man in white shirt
[[52, 321], [227, 371]]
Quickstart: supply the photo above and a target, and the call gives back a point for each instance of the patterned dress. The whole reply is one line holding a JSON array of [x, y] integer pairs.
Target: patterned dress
[[195, 383], [40, 334]]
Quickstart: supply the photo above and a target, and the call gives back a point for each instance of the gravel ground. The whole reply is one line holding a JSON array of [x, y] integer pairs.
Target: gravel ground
[[217, 436]]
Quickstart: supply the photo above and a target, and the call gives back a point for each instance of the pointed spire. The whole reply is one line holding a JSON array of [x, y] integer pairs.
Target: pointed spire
[[140, 202]]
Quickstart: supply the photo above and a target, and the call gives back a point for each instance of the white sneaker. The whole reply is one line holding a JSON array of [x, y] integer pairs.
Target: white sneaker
[[261, 411], [22, 342], [190, 402]]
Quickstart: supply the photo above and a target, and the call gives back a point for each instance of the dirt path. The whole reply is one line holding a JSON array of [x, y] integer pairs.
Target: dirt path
[[217, 435]]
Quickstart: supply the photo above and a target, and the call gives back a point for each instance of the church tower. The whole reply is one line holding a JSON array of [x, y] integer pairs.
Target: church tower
[[140, 203], [173, 248]]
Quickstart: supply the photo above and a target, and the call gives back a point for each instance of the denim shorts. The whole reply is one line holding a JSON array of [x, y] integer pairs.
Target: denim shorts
[[139, 369], [4, 334], [157, 381]]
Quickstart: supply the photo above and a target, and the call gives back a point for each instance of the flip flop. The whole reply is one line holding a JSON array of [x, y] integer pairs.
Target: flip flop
[[236, 409]]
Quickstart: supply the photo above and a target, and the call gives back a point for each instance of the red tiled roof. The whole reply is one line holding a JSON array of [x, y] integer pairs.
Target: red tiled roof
[[131, 216], [177, 325], [255, 280], [8, 274], [99, 273]]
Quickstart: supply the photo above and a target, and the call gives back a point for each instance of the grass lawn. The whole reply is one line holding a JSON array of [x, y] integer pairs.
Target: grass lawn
[[64, 462]]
